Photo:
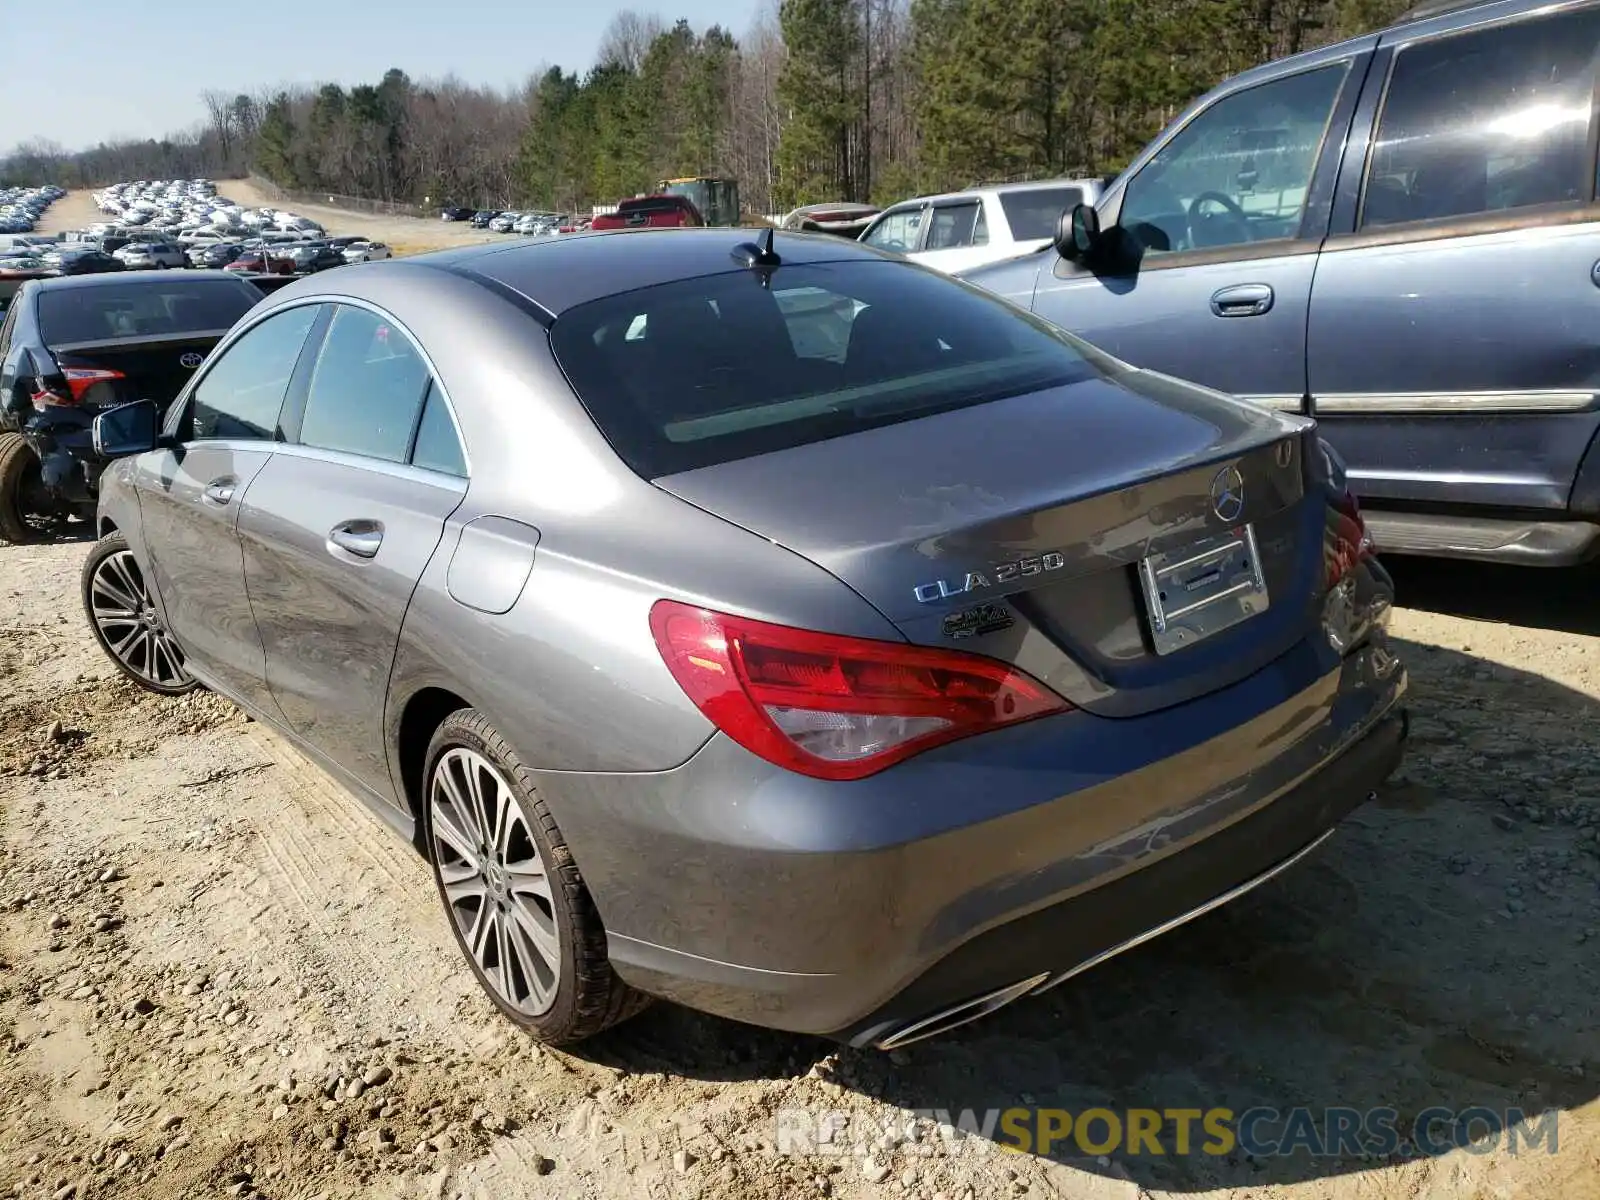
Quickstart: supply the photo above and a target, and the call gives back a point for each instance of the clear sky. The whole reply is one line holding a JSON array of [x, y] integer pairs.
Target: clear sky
[[84, 71]]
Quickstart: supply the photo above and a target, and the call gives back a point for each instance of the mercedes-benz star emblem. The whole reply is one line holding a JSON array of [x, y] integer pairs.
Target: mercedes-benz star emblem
[[191, 360], [1227, 494]]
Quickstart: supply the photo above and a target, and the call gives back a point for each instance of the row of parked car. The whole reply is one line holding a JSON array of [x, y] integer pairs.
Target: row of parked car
[[524, 223], [21, 208]]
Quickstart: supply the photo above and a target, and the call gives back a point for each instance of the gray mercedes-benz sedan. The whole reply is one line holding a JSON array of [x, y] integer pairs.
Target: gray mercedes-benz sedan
[[770, 625]]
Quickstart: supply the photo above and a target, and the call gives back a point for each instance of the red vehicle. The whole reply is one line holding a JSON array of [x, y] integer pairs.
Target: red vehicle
[[651, 212], [261, 262]]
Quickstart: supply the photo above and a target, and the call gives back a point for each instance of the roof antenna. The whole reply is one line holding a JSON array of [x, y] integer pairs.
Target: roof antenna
[[760, 257]]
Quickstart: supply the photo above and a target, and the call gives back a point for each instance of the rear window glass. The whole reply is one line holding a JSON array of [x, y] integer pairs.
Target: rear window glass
[[707, 370], [146, 309], [1034, 212]]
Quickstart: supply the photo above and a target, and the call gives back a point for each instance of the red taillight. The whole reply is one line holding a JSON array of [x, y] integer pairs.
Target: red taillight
[[836, 707], [79, 381], [1348, 540]]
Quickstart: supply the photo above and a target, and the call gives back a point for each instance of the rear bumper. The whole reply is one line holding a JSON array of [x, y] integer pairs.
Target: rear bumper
[[1068, 938], [852, 909]]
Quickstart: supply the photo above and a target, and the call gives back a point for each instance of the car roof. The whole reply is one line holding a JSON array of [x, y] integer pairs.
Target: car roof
[[124, 278], [558, 275], [1028, 185]]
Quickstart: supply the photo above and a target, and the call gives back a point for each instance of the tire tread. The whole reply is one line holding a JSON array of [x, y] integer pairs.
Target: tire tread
[[14, 455]]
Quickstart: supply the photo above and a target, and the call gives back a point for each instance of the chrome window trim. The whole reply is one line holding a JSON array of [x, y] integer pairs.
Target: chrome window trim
[[1477, 403]]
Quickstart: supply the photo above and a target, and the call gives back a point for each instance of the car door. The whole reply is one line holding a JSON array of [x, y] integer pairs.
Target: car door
[[899, 229], [337, 529], [190, 496], [1453, 350], [957, 234], [1212, 237]]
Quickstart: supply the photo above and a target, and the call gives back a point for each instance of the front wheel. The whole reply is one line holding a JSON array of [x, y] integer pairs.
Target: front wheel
[[123, 615], [515, 901]]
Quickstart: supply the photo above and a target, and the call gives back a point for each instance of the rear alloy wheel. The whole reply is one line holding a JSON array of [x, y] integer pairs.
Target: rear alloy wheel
[[126, 623], [515, 901]]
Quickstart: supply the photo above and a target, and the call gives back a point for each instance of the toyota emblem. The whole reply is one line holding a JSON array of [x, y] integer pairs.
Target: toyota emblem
[[191, 360], [1227, 494]]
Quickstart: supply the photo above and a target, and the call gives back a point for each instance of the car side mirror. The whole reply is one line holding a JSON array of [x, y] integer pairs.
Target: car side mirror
[[127, 429], [1078, 233]]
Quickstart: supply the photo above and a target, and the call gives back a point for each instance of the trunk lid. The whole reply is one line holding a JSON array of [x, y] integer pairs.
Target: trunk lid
[[1016, 529], [151, 368]]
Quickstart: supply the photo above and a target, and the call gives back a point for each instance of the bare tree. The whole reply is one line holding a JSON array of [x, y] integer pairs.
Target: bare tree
[[219, 120], [627, 39]]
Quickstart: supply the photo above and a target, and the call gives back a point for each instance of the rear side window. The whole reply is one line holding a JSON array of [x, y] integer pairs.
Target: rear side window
[[1035, 212], [242, 394], [1486, 121], [702, 371], [366, 388], [147, 308], [438, 448]]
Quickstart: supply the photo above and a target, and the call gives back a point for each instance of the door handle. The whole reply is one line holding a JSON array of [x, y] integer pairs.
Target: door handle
[[1242, 300], [361, 538], [220, 491]]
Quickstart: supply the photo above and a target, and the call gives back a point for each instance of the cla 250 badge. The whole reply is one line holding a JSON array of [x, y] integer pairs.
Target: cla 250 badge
[[945, 589]]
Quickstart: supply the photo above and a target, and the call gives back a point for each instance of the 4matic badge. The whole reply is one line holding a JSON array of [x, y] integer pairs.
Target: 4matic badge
[[946, 589], [971, 622]]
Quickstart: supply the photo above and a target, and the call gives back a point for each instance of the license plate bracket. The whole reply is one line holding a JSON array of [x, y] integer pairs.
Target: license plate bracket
[[1202, 589]]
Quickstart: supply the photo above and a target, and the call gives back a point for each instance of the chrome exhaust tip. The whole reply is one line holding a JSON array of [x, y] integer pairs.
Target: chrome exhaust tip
[[960, 1014]]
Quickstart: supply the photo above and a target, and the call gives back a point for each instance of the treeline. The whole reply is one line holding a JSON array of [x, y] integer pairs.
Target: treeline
[[821, 100]]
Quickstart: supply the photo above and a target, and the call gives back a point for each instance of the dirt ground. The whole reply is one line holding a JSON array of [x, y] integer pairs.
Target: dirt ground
[[406, 235], [220, 976]]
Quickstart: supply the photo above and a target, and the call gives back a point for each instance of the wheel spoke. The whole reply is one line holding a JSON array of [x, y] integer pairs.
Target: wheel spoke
[[504, 820], [538, 970], [527, 878], [463, 881], [540, 928], [447, 828]]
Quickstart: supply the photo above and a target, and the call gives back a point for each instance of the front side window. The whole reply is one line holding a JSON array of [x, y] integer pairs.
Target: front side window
[[950, 226], [1237, 173], [701, 371], [242, 394], [897, 231], [366, 388], [1485, 121]]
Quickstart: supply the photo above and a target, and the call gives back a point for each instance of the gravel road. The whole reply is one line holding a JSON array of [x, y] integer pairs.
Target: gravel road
[[220, 976]]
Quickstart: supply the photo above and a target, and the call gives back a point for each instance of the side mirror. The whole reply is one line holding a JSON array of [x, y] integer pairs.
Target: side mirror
[[126, 429], [1078, 233]]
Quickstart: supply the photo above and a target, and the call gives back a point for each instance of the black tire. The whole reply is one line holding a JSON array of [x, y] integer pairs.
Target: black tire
[[109, 547], [589, 996], [17, 461]]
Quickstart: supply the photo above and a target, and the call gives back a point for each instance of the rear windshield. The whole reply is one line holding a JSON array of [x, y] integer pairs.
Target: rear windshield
[[141, 309], [1034, 212], [707, 370], [653, 204]]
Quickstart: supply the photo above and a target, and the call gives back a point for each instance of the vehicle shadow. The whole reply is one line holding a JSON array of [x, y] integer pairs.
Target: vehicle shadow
[[1561, 599], [1433, 955]]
